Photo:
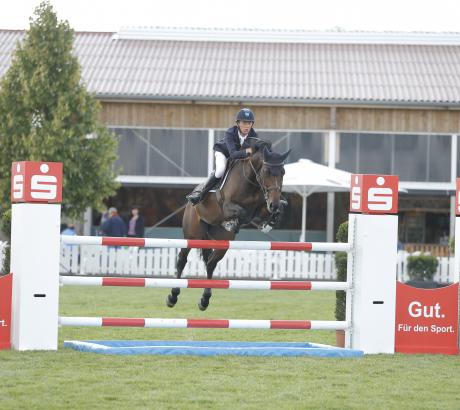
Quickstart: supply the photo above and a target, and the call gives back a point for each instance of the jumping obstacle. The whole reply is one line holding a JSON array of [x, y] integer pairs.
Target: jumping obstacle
[[207, 244], [202, 283], [35, 241], [203, 323]]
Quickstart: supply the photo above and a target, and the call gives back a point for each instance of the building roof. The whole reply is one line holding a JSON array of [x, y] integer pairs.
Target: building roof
[[267, 66]]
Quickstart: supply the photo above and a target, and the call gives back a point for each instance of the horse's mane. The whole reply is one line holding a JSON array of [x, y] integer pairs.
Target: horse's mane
[[272, 160], [259, 144]]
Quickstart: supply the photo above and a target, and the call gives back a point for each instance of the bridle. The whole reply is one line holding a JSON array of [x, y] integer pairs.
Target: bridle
[[260, 179]]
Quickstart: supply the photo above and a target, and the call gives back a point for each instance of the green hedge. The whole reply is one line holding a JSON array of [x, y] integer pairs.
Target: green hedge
[[5, 226], [422, 267], [341, 266]]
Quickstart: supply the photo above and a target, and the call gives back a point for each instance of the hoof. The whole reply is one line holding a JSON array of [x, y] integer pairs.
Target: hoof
[[202, 307], [169, 302], [231, 225]]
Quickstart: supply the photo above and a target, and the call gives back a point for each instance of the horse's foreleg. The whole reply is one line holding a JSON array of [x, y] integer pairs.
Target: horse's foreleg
[[234, 214], [211, 264], [171, 299]]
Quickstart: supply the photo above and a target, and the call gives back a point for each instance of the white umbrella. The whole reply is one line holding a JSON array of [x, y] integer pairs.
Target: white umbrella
[[306, 177]]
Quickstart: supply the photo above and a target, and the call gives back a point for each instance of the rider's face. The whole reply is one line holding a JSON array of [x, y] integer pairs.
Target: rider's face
[[245, 126]]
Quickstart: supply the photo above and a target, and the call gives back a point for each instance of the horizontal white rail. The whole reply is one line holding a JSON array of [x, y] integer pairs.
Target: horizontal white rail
[[203, 323], [202, 283], [206, 244]]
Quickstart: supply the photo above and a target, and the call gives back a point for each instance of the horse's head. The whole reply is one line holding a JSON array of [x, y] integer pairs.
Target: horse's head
[[271, 177]]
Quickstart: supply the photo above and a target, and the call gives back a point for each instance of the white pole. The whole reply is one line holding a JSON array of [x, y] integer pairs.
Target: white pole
[[373, 269], [35, 239], [304, 218]]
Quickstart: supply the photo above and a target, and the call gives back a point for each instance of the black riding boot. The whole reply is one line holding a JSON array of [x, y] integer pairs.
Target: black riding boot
[[201, 190]]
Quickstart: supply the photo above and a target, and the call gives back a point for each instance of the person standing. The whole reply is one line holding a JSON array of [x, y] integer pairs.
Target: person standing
[[114, 226], [136, 224]]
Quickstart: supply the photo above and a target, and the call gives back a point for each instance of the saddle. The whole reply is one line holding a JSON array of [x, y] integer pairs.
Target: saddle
[[219, 185]]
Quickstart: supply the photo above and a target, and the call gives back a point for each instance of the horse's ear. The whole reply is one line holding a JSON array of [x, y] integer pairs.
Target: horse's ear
[[266, 153], [285, 155]]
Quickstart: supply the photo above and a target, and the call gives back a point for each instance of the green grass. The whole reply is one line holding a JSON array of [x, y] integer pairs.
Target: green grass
[[73, 380]]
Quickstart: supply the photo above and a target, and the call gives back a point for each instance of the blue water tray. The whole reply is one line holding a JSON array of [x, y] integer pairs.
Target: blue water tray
[[206, 348]]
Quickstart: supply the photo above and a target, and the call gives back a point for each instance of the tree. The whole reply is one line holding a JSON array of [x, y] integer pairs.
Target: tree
[[46, 114]]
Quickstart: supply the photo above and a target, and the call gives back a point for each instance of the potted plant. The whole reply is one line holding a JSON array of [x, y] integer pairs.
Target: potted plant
[[421, 269], [340, 295]]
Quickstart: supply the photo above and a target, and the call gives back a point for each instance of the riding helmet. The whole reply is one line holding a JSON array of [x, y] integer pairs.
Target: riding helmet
[[245, 115]]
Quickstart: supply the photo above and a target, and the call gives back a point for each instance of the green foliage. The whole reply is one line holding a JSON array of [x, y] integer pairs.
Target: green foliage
[[5, 227], [422, 267], [452, 245], [341, 267], [46, 114]]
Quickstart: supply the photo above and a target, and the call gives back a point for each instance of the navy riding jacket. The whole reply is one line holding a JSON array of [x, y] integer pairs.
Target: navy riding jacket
[[230, 146]]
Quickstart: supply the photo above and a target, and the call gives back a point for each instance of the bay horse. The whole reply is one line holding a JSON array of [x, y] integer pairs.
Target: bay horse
[[251, 192]]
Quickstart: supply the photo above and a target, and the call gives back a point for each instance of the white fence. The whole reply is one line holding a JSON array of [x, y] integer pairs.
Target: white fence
[[160, 262], [444, 274]]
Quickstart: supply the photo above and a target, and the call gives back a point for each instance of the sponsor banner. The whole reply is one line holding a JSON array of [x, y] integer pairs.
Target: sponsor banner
[[36, 182], [5, 311], [374, 194], [426, 319]]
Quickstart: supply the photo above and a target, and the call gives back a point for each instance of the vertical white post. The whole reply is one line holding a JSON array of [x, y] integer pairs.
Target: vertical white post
[[373, 268], [331, 195], [35, 239], [303, 229], [36, 193]]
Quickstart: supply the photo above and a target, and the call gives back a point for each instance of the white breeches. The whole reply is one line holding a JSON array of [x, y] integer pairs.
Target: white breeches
[[221, 164]]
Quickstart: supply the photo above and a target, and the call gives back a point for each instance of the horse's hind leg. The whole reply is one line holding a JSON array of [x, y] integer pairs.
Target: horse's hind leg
[[171, 299], [211, 264]]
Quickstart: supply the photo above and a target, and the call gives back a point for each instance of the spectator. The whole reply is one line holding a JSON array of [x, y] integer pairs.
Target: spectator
[[136, 224], [70, 230], [114, 226]]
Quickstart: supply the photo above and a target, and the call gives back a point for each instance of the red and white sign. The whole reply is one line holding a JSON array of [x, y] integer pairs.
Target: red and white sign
[[374, 194], [36, 182], [457, 197], [426, 319], [5, 311]]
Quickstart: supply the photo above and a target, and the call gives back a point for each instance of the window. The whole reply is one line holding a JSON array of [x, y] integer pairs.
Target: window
[[412, 157], [162, 152], [310, 145]]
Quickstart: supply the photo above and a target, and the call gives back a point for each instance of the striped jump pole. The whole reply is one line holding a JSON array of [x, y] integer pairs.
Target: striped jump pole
[[202, 283], [203, 323], [207, 244]]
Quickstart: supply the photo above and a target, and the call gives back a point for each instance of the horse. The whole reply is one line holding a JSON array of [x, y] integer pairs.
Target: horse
[[251, 192]]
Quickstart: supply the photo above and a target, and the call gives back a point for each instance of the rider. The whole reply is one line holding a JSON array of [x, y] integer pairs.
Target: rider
[[235, 145]]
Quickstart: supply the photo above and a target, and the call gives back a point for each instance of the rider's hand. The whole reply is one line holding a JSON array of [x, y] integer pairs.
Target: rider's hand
[[249, 151]]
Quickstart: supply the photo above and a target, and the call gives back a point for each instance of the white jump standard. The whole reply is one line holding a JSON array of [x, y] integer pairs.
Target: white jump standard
[[371, 247]]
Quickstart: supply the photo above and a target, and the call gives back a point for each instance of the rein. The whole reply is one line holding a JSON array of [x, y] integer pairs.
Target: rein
[[260, 181]]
